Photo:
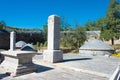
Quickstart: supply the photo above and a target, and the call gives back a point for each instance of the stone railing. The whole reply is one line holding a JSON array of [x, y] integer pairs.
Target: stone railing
[[116, 74]]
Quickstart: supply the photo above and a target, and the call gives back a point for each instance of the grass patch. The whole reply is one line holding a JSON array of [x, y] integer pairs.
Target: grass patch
[[116, 46], [69, 50], [66, 49], [74, 51]]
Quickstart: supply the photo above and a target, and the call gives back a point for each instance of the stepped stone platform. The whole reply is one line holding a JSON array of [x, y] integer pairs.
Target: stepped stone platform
[[73, 67]]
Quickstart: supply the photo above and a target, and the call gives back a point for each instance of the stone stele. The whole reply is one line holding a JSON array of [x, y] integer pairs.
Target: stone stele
[[53, 53]]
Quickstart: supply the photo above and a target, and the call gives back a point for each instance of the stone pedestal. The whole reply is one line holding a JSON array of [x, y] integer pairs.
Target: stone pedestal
[[18, 62], [53, 54]]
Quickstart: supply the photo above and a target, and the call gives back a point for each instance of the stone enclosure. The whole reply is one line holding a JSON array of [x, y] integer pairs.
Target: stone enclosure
[[20, 61], [28, 37]]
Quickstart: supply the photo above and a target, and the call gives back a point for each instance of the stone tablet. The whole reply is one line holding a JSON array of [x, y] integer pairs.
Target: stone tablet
[[53, 32], [53, 54]]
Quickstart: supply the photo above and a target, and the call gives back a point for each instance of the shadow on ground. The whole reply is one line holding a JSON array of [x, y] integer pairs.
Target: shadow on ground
[[4, 75], [77, 59], [41, 68], [1, 58]]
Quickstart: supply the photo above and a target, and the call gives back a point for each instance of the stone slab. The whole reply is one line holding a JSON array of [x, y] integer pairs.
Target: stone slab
[[18, 64], [16, 53]]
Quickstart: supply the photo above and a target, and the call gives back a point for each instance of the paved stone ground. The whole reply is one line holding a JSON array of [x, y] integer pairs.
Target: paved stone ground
[[74, 67], [100, 64]]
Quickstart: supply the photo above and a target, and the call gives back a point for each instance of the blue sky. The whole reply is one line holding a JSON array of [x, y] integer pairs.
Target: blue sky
[[34, 13]]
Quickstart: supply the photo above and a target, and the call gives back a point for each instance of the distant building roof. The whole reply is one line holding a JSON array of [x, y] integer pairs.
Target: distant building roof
[[93, 32]]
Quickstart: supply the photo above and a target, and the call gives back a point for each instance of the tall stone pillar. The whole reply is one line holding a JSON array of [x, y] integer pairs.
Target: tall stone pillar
[[12, 40], [53, 53]]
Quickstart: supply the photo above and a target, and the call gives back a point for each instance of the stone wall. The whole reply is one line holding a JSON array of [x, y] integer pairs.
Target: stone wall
[[116, 41], [27, 37], [4, 40]]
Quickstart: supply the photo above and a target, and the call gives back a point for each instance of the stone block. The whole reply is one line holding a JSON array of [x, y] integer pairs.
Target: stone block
[[18, 62], [53, 55]]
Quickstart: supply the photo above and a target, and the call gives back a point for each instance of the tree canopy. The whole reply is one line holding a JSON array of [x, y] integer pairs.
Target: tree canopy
[[2, 24], [111, 28]]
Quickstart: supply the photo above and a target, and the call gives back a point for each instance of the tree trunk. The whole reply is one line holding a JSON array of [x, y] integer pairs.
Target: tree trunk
[[112, 41]]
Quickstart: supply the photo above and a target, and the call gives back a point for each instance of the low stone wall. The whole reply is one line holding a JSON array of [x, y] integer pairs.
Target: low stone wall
[[4, 40], [30, 37], [96, 52], [115, 42], [27, 37]]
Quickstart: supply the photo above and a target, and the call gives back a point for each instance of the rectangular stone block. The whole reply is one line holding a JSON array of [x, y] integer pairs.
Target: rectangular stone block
[[18, 63], [53, 56]]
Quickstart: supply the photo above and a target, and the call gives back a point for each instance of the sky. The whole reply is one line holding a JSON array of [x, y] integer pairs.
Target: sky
[[34, 13]]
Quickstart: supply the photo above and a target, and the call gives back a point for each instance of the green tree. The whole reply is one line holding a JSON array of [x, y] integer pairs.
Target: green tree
[[64, 25], [100, 23], [2, 24], [45, 30], [91, 25], [78, 37], [74, 38], [112, 20]]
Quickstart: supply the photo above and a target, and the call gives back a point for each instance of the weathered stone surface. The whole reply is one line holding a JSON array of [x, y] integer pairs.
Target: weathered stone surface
[[53, 32], [116, 74], [73, 67], [18, 62], [96, 47], [53, 54], [12, 40]]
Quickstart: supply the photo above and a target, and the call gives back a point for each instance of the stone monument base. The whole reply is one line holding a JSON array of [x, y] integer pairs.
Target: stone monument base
[[18, 62], [53, 56]]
